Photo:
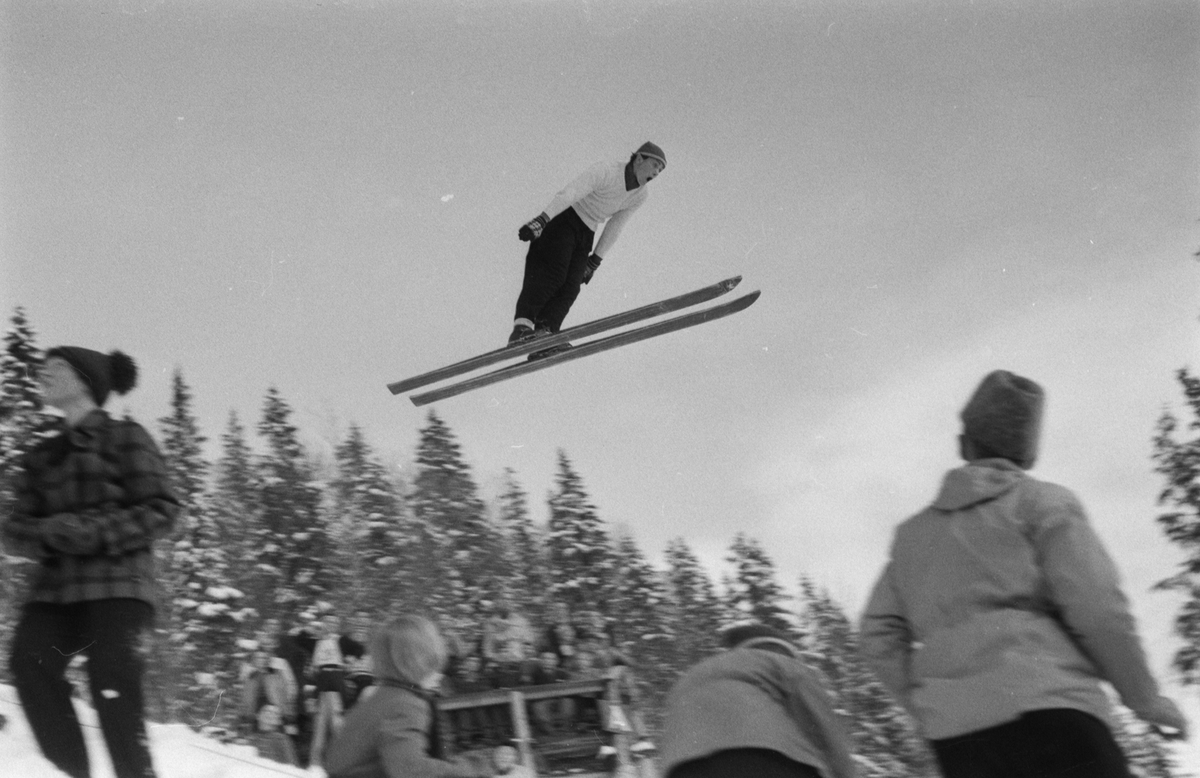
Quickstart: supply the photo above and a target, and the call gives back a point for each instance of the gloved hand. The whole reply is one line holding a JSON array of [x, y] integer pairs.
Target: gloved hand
[[1164, 715], [593, 262], [533, 230], [70, 534]]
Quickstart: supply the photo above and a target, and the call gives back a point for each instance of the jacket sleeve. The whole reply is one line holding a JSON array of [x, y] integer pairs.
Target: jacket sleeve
[[403, 750], [20, 530], [885, 639], [583, 184], [1084, 585], [147, 510]]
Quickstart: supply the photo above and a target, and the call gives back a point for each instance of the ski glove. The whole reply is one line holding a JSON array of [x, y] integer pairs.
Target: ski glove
[[593, 262], [533, 229]]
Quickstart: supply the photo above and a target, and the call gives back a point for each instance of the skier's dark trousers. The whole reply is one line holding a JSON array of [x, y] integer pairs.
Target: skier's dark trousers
[[554, 269]]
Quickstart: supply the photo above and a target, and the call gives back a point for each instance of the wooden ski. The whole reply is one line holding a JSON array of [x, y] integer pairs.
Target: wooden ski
[[589, 348], [579, 331]]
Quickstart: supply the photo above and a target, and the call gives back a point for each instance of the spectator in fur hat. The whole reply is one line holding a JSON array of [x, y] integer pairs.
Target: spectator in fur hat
[[999, 615], [90, 501], [756, 709], [561, 255]]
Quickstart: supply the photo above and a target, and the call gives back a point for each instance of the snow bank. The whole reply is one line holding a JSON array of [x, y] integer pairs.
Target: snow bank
[[178, 751]]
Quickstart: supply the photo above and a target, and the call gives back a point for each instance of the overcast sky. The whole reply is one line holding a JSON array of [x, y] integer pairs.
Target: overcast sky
[[324, 197]]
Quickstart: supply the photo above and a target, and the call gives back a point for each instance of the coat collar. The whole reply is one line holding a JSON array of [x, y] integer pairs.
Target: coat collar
[[86, 434]]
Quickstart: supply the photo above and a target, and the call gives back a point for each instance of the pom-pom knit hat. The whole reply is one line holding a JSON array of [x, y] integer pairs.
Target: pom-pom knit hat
[[103, 373], [653, 151], [1004, 416]]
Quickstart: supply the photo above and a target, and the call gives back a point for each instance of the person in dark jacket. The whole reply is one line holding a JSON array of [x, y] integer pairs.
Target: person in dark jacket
[[90, 501], [754, 710], [328, 651]]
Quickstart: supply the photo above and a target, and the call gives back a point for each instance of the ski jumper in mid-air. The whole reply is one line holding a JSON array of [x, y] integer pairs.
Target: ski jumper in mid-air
[[561, 254]]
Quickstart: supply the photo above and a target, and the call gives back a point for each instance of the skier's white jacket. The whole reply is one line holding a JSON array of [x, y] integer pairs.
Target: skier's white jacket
[[1000, 599], [598, 195]]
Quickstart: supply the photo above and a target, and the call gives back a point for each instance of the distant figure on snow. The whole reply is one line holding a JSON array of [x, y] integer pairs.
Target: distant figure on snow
[[1000, 613], [329, 651], [90, 501], [561, 254]]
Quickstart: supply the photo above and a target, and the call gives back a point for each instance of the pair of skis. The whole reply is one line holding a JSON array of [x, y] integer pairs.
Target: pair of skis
[[580, 350]]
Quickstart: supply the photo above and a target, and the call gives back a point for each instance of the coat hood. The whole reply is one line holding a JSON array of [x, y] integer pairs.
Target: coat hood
[[977, 482]]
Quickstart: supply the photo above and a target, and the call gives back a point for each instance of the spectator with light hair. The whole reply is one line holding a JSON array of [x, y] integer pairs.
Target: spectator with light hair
[[388, 735]]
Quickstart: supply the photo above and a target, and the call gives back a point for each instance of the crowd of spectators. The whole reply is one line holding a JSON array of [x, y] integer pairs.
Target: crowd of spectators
[[300, 681]]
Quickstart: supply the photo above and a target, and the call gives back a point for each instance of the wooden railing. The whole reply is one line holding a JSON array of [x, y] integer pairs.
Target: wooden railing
[[587, 730]]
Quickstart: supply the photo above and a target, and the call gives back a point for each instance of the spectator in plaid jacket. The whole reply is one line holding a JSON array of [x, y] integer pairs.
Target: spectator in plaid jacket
[[91, 499]]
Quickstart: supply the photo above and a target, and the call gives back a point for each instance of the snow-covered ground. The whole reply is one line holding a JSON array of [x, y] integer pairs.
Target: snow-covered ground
[[181, 753], [178, 751]]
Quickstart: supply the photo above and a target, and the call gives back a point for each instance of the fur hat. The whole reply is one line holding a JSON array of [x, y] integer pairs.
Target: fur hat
[[1004, 417], [103, 373], [653, 151]]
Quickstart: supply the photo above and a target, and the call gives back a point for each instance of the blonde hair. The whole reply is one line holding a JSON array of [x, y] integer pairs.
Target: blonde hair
[[408, 648]]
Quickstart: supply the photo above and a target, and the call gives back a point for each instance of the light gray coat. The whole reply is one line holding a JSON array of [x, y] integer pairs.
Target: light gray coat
[[999, 599]]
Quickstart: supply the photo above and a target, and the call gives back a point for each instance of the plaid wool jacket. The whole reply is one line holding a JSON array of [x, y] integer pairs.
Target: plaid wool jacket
[[90, 500]]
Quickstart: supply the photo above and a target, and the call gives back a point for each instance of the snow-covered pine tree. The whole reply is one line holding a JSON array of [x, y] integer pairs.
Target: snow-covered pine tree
[[207, 611], [20, 399], [20, 421], [886, 742], [1176, 456], [643, 631], [463, 566], [294, 568], [236, 504], [524, 550], [369, 511], [752, 591], [577, 545], [699, 614]]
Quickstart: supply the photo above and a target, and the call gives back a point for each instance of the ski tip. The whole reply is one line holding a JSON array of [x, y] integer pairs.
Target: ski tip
[[730, 283]]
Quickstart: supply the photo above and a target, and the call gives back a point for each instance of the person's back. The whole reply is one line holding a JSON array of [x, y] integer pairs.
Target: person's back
[[990, 575], [1000, 614], [747, 702]]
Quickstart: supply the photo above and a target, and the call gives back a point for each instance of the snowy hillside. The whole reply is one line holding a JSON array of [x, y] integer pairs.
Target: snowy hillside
[[178, 751]]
